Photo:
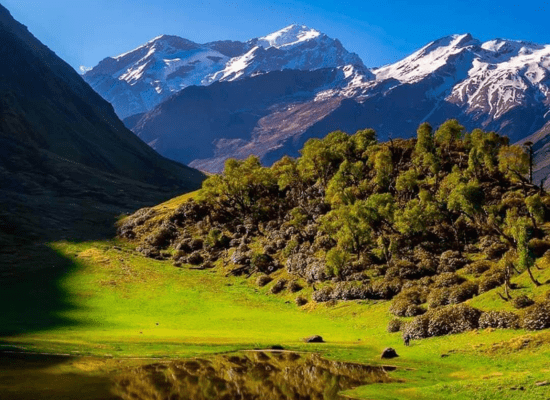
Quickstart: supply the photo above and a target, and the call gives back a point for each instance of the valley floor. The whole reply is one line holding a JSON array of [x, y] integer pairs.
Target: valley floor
[[105, 300]]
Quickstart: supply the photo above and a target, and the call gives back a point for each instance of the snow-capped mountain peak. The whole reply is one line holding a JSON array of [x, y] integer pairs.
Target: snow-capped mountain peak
[[290, 35], [137, 81], [428, 59]]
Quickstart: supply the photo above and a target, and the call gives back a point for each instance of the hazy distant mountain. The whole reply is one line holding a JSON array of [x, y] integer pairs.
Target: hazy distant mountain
[[499, 85], [137, 81], [66, 160]]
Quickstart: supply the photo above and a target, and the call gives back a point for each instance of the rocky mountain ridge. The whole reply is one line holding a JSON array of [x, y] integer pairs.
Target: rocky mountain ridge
[[136, 81]]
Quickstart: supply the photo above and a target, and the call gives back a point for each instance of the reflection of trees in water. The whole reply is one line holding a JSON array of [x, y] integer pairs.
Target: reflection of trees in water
[[250, 376]]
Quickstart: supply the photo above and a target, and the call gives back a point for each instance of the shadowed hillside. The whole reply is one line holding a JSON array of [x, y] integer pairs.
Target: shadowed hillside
[[68, 165]]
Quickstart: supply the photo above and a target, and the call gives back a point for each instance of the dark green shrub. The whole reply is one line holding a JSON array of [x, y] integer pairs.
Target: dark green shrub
[[279, 286], [495, 251], [384, 290], [443, 321], [453, 319], [403, 307], [322, 295], [213, 238], [195, 258], [522, 301], [291, 247], [263, 280], [499, 320], [537, 317], [451, 261], [394, 325], [405, 270], [418, 327], [196, 244], [539, 246], [461, 293], [163, 236], [491, 279], [438, 297], [349, 291], [294, 287], [300, 301], [478, 267], [407, 302], [427, 261], [447, 279], [261, 262]]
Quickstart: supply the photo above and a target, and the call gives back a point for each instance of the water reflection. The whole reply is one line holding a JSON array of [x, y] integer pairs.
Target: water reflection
[[253, 375]]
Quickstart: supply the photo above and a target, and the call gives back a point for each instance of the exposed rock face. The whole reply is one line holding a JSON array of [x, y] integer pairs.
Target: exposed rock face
[[66, 160], [206, 125]]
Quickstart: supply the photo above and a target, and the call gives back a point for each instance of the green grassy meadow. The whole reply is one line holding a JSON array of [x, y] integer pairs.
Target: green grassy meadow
[[108, 301]]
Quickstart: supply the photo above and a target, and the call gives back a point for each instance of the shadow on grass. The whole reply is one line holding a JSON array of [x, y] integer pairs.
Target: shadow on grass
[[31, 296]]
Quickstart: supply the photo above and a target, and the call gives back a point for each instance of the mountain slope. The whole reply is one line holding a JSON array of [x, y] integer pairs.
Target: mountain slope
[[137, 81], [64, 154], [259, 115]]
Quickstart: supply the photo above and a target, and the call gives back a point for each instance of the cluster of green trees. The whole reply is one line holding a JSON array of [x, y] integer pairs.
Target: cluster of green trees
[[443, 190]]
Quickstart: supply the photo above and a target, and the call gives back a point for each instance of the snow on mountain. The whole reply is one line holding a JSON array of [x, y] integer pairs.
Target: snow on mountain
[[427, 60], [290, 35], [137, 81], [294, 47], [483, 81]]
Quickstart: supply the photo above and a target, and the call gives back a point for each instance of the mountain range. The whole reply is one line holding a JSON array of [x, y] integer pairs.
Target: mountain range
[[200, 104], [137, 81]]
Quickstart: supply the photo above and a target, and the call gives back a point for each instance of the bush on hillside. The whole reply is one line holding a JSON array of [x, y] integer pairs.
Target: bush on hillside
[[443, 321], [478, 267], [301, 301], [438, 297], [453, 319], [279, 286], [407, 302], [461, 293], [539, 246], [491, 279], [402, 307], [384, 290], [448, 279], [263, 280], [451, 261], [394, 325], [163, 236], [499, 320], [294, 287], [322, 295], [418, 327], [537, 317], [522, 301]]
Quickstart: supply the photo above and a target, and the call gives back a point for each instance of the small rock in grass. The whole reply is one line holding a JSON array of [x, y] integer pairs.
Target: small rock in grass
[[543, 383], [389, 353], [314, 339]]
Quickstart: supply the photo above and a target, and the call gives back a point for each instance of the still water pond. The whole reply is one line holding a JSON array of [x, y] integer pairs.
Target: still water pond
[[249, 375]]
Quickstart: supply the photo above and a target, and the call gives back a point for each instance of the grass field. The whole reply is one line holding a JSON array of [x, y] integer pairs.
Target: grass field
[[107, 300]]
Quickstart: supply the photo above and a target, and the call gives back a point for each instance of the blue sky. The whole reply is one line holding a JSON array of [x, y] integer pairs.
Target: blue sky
[[83, 32]]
